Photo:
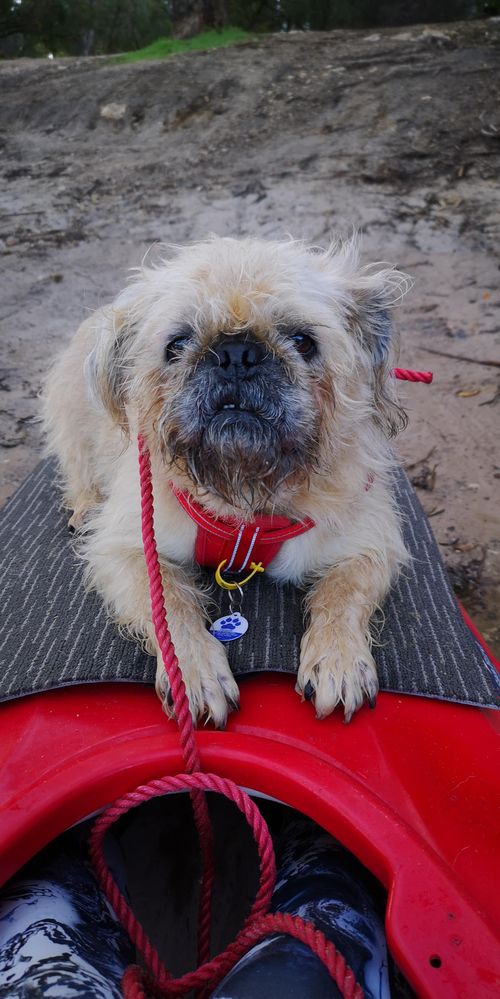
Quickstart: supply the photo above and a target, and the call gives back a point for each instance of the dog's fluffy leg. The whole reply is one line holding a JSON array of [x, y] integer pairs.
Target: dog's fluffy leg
[[74, 431], [210, 685], [336, 664], [120, 576], [80, 502], [81, 492]]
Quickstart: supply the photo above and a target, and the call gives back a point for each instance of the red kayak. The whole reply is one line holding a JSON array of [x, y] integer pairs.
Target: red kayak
[[411, 788]]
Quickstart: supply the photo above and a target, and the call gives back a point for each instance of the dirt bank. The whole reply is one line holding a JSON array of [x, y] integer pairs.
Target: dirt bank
[[396, 132]]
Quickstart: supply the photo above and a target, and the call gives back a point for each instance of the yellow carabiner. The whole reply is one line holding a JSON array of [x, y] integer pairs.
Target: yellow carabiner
[[255, 567]]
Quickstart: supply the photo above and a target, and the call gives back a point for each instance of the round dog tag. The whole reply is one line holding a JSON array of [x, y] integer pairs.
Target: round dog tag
[[226, 629]]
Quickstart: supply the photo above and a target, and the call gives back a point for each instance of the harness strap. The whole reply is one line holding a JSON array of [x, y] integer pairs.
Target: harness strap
[[220, 539]]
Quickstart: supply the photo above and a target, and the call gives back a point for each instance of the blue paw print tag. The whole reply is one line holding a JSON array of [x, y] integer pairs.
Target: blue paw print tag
[[228, 628]]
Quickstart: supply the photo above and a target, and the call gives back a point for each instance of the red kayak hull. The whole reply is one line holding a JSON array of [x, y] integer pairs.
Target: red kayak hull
[[412, 788]]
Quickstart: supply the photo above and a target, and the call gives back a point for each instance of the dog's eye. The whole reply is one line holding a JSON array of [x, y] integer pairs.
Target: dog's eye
[[304, 344], [175, 347]]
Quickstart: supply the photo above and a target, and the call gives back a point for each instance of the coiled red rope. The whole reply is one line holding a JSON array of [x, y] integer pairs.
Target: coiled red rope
[[157, 980]]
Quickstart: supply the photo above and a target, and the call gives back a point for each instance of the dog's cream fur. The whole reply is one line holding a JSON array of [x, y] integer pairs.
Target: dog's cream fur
[[113, 381]]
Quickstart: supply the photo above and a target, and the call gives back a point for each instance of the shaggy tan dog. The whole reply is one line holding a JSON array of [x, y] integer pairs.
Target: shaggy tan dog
[[259, 374]]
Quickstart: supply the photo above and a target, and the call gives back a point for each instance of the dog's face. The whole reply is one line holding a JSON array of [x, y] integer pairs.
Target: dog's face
[[250, 366], [242, 419]]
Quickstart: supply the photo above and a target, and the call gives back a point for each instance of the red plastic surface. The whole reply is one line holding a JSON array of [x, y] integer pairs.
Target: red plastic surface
[[411, 788]]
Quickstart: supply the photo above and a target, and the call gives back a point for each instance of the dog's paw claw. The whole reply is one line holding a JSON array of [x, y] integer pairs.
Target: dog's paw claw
[[359, 685], [211, 688], [328, 682], [308, 691], [164, 693]]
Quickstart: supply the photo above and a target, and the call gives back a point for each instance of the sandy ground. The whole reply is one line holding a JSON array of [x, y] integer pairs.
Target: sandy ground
[[395, 132]]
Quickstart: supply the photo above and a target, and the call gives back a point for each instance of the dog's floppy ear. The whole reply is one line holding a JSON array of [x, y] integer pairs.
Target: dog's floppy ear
[[370, 293], [107, 367], [381, 342], [375, 293]]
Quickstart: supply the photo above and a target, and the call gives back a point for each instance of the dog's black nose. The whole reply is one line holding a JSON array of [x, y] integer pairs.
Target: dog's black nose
[[237, 356]]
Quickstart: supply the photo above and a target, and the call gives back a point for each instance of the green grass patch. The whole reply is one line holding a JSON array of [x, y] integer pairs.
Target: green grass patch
[[164, 47]]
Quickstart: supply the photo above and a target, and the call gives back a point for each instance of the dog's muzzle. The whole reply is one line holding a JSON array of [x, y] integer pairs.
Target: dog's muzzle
[[237, 366], [241, 423]]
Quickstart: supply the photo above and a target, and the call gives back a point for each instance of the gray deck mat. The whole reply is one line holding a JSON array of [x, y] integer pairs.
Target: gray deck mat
[[55, 635]]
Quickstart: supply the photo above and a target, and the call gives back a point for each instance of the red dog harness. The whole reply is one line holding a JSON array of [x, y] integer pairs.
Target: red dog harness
[[223, 539]]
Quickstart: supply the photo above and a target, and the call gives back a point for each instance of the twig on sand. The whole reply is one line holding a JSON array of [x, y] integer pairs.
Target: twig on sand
[[495, 398], [7, 315], [420, 461], [460, 357]]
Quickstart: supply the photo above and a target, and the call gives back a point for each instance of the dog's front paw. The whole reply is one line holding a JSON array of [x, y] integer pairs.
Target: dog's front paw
[[333, 671], [211, 688]]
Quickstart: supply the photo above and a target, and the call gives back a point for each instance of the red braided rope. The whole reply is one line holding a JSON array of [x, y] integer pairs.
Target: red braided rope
[[158, 981], [406, 375], [180, 702], [279, 922], [210, 971]]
